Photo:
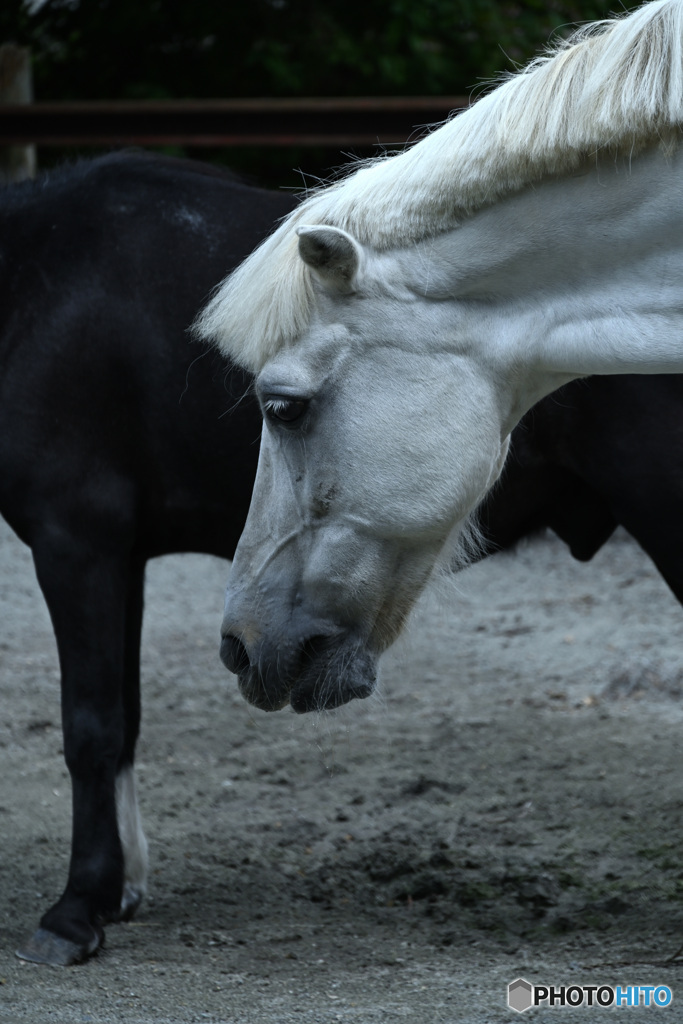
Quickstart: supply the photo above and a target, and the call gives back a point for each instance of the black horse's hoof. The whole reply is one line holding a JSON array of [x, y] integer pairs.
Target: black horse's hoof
[[46, 947]]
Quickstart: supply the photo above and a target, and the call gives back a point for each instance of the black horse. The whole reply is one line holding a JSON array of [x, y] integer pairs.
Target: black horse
[[121, 439]]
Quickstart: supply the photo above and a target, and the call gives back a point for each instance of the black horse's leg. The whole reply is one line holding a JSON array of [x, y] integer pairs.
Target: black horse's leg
[[86, 588]]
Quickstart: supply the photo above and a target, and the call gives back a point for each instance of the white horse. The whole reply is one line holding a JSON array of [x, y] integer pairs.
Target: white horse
[[403, 320]]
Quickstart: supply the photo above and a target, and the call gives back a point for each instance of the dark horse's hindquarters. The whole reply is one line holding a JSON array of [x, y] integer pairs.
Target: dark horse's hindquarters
[[121, 439], [596, 454]]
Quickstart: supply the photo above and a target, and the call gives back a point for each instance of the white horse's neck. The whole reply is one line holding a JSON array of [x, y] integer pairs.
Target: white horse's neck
[[574, 277]]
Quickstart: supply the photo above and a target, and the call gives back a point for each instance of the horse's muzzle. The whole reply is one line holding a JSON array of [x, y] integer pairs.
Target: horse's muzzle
[[319, 673]]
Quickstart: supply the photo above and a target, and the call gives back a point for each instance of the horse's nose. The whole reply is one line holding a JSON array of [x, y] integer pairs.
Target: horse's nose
[[234, 654], [258, 673], [311, 670]]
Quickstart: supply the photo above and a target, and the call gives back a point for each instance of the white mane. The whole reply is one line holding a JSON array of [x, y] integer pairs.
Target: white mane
[[615, 84]]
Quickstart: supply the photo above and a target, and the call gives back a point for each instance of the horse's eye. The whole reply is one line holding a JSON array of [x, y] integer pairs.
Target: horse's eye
[[286, 410]]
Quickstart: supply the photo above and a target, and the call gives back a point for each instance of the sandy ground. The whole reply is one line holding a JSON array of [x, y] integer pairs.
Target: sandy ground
[[508, 805]]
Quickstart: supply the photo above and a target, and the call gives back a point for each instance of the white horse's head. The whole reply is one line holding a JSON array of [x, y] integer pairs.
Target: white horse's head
[[382, 431], [441, 292]]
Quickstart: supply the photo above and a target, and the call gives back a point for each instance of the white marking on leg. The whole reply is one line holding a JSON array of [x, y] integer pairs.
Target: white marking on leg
[[133, 841]]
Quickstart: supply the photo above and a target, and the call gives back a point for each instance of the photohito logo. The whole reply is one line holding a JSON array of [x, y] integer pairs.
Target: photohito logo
[[522, 995]]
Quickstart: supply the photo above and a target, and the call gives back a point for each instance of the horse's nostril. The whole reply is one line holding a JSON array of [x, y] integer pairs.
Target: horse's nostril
[[234, 654]]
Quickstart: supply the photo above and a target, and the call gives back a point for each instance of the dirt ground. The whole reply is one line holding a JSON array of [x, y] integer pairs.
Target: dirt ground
[[508, 805]]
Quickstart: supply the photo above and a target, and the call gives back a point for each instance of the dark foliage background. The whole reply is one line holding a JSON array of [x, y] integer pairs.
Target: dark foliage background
[[151, 49]]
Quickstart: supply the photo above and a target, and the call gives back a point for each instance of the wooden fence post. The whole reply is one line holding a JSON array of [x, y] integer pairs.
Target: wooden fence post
[[16, 86]]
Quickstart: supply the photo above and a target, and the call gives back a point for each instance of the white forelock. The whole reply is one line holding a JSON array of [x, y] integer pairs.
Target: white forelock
[[614, 85]]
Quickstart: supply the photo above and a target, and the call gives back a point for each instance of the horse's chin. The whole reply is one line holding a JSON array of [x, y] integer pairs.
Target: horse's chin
[[333, 678], [265, 697], [326, 677]]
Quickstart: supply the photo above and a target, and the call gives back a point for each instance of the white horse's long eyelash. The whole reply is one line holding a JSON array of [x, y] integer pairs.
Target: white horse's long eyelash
[[275, 405]]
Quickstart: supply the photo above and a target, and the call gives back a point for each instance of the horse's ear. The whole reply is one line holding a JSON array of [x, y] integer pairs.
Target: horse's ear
[[332, 254]]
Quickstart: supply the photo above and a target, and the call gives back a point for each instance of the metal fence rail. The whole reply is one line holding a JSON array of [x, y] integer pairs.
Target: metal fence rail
[[245, 122]]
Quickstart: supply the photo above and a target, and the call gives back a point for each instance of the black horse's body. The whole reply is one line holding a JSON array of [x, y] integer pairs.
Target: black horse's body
[[121, 439], [596, 454]]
